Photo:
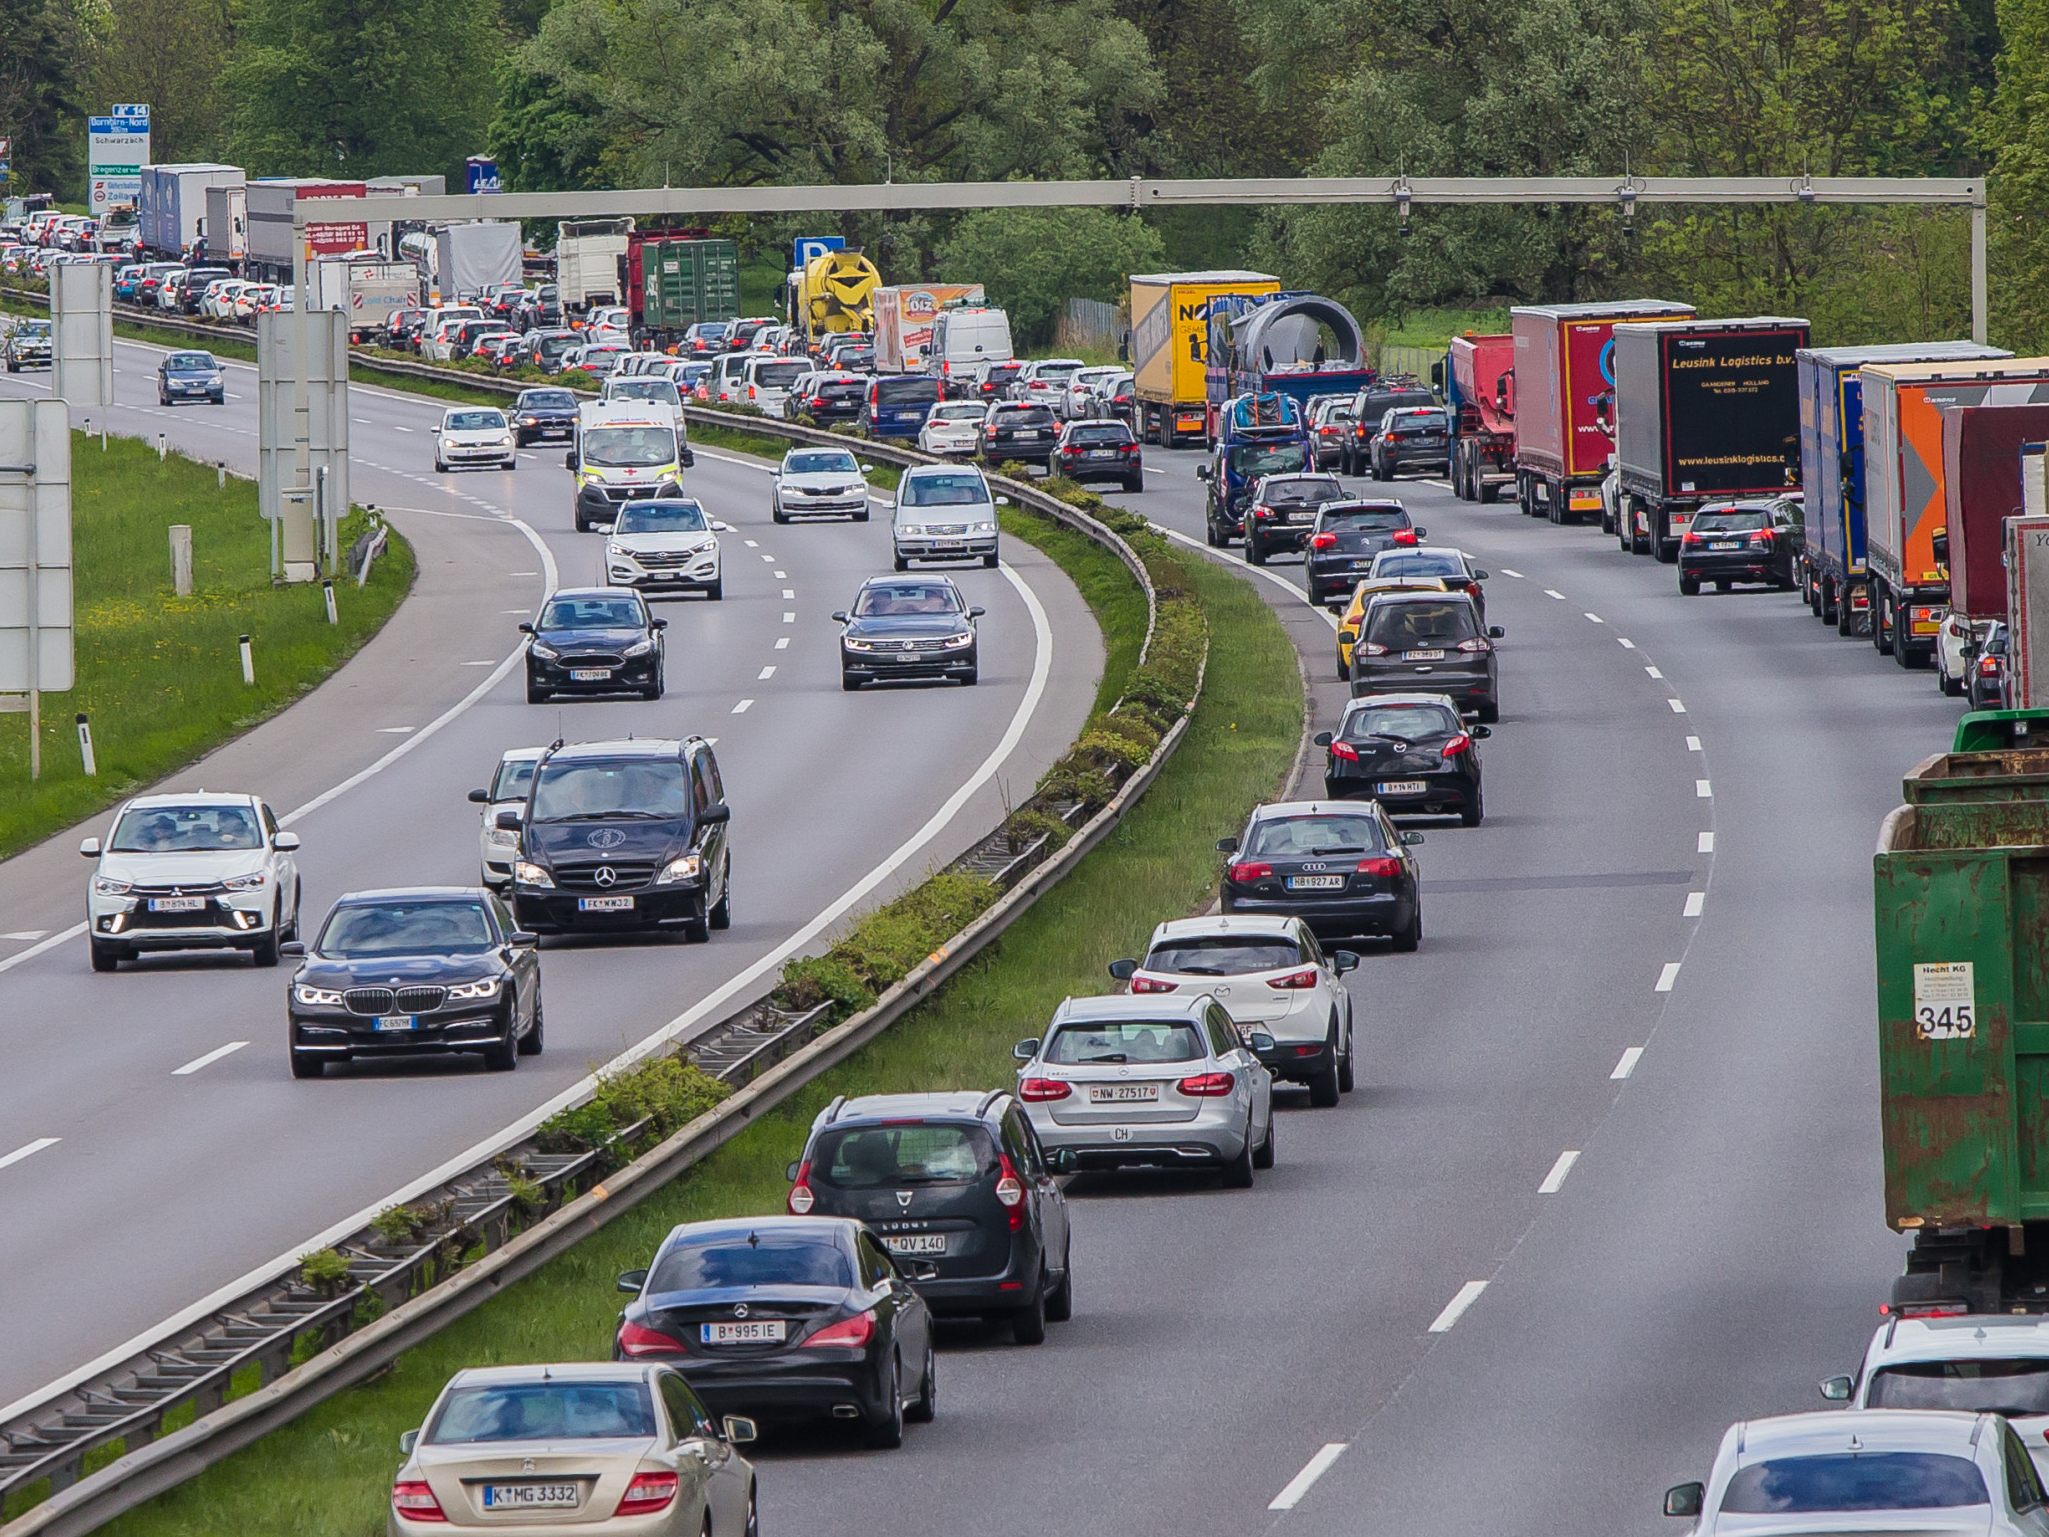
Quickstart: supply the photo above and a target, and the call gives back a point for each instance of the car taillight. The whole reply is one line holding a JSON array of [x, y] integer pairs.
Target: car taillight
[[1328, 432], [1294, 980], [1207, 1085], [639, 1340], [750, 392], [1036, 1091], [1690, 538], [1323, 541], [1251, 871], [1262, 512], [1070, 452], [1344, 750], [1130, 449], [1010, 1190], [801, 1199], [1141, 983], [1988, 666], [817, 400], [1457, 745], [1762, 538], [848, 1334], [1476, 644], [1403, 536], [648, 1493], [415, 1501], [1375, 648], [1381, 865]]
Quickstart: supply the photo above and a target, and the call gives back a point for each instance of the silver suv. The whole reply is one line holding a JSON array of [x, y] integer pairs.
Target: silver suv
[[1983, 1364], [944, 512]]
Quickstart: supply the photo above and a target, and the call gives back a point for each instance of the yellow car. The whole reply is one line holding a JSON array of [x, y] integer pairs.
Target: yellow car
[[1355, 611]]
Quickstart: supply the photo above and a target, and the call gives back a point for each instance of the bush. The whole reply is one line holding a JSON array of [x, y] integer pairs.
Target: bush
[[668, 1092], [401, 1225], [325, 1271], [884, 947], [1027, 824]]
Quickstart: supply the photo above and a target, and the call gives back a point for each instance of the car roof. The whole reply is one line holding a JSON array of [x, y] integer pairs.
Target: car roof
[[1413, 697], [567, 1371], [918, 578], [1872, 1430], [408, 894], [1420, 597], [942, 1105], [1408, 551], [194, 798], [1275, 810], [1975, 1336], [1280, 925], [927, 471], [1366, 504], [1112, 1006], [521, 754], [843, 1228], [621, 747], [453, 410]]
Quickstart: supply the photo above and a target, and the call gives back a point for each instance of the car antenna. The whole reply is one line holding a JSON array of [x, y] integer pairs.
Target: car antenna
[[753, 1239]]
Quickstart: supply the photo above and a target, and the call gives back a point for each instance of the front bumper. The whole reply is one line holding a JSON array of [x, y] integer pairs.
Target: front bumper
[[553, 911], [601, 504], [872, 666], [337, 1033], [563, 429], [555, 677], [455, 454], [689, 572], [229, 921], [932, 547], [850, 504]]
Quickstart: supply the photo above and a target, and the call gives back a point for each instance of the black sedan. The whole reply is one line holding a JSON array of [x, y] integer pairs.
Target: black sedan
[[1016, 430], [543, 413], [1731, 542], [190, 376], [417, 971], [787, 1318], [1410, 752], [593, 640], [1342, 868], [1345, 538], [1283, 511], [908, 627]]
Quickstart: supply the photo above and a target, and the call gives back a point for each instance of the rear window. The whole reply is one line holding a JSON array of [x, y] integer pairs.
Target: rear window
[[1418, 626], [1405, 722], [543, 1411], [759, 1259], [1855, 1481], [1417, 563], [879, 1157], [2012, 1387], [1330, 833], [1024, 416], [1415, 421], [907, 390], [1125, 1040], [1224, 955], [1377, 406], [1302, 493], [1106, 434], [1733, 522], [780, 376]]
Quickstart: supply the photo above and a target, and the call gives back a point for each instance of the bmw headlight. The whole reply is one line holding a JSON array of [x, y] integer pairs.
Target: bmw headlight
[[315, 997], [465, 992], [250, 882], [685, 869], [107, 886], [955, 642], [527, 873]]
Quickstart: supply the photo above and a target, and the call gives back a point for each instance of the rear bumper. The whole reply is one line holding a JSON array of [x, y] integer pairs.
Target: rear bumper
[[1212, 1136], [1300, 1062], [806, 1386], [1735, 566], [1441, 793], [1381, 914]]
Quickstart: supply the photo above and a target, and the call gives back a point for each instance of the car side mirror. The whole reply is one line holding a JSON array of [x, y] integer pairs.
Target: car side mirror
[[790, 1169], [1227, 845], [435, 430], [1202, 472], [977, 611], [775, 474], [523, 939], [506, 821], [89, 847], [1495, 632], [714, 814], [1412, 837], [867, 469], [1002, 501], [1479, 576], [1123, 971], [720, 528], [1321, 739], [1837, 1390], [631, 1281], [1063, 1160], [1479, 733], [480, 797], [839, 616], [1026, 1049], [526, 627], [739, 1429], [1941, 548], [1685, 1500], [1422, 533], [285, 843], [569, 460], [658, 624], [1344, 961], [407, 1440], [292, 947]]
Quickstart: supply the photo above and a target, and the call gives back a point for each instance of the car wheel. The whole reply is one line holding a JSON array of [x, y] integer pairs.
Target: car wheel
[[776, 515], [925, 1407], [306, 1065], [717, 591], [969, 679], [535, 694], [654, 689], [861, 516], [265, 953], [440, 468], [888, 1431], [531, 1043], [1689, 586], [1346, 1068], [1471, 813], [753, 1526], [298, 910], [722, 910], [697, 931], [1323, 1088], [1344, 671], [1060, 1300], [1238, 1172], [1028, 1323], [1254, 552], [989, 562], [1489, 713], [1135, 485], [1210, 535], [105, 957], [1409, 938], [502, 1055], [1263, 1156], [902, 564], [850, 683]]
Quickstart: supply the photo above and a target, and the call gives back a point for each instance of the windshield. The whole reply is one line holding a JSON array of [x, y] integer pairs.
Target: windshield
[[186, 362], [362, 930], [1301, 493], [1125, 1040], [908, 390], [1733, 522], [1118, 433], [1408, 722], [780, 376], [32, 328], [185, 830], [1268, 458], [515, 778], [769, 1259], [644, 388], [637, 448], [543, 1411], [881, 1157], [1334, 833], [907, 598], [1224, 955], [645, 789], [475, 421], [2013, 1387], [1846, 1481], [963, 489], [547, 400], [1420, 626], [1417, 563], [661, 518], [822, 462], [592, 614]]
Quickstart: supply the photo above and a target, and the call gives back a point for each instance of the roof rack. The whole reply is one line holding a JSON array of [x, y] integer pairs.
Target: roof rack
[[833, 1109]]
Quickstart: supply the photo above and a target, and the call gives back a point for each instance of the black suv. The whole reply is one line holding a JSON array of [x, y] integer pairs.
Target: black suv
[[1016, 430], [621, 836], [1101, 450], [955, 1182]]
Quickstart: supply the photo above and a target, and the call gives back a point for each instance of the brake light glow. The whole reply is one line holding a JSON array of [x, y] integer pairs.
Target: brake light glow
[[639, 1340], [648, 1493], [1381, 865], [1690, 538], [1036, 1091], [1294, 981], [1262, 512], [1988, 666], [1762, 538], [848, 1334], [1207, 1085], [1458, 744], [801, 1198], [1141, 983], [1344, 750], [1403, 536], [1251, 870], [415, 1501], [1323, 541]]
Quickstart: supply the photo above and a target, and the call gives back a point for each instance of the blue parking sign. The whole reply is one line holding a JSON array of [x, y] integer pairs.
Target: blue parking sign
[[806, 248]]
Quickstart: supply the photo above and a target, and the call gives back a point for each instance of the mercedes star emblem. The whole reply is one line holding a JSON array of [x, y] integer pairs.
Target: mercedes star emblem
[[739, 1310], [606, 838], [606, 876], [903, 1199], [526, 1464]]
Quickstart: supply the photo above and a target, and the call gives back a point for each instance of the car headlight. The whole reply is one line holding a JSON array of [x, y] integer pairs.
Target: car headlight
[[315, 997], [464, 992], [684, 869], [502, 837], [640, 647], [983, 528], [614, 550], [251, 882], [545, 652], [505, 440], [107, 886], [527, 873], [856, 645], [915, 530], [527, 421], [955, 642]]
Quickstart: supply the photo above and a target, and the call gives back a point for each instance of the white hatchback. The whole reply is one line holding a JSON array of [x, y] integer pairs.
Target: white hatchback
[[953, 429], [474, 436], [507, 791]]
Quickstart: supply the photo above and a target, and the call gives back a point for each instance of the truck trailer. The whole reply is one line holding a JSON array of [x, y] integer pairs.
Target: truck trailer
[[589, 254], [1479, 377], [1169, 347], [371, 289], [226, 229], [1299, 345], [269, 205], [1981, 480], [674, 281], [171, 207], [1832, 469], [1705, 411], [903, 321], [471, 258], [1561, 400]]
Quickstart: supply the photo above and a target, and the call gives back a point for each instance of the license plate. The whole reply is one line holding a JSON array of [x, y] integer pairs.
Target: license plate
[[916, 1243], [949, 544], [589, 674], [604, 904], [177, 904], [390, 1022], [1721, 544], [1100, 453], [1422, 656], [531, 1497], [1031, 434], [1123, 1093], [1401, 787], [755, 1331], [1316, 882]]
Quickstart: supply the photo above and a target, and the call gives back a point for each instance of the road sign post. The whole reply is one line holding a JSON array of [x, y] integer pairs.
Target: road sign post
[[302, 376], [36, 651], [82, 334]]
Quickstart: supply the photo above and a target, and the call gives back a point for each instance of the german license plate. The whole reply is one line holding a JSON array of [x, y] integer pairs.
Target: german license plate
[[177, 904], [1422, 656], [391, 1022], [755, 1331], [531, 1497], [915, 1243], [604, 904], [1123, 1093], [1401, 787], [1316, 882], [589, 674]]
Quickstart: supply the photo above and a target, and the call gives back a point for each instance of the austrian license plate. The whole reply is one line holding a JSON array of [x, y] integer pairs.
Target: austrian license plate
[[755, 1331], [1316, 882], [1123, 1093], [1422, 656], [604, 904], [915, 1243], [949, 544], [1031, 434], [589, 674], [1100, 453], [1401, 787], [177, 904], [387, 1023], [1721, 544], [531, 1497]]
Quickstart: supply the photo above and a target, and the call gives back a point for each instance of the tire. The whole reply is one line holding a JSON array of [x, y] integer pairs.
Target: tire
[[1238, 1172], [264, 952], [1060, 1300], [1028, 1323], [697, 933], [1489, 713], [306, 1065], [1323, 1088], [989, 562], [969, 680], [531, 1044], [925, 1407], [861, 516], [1689, 586], [653, 690], [1827, 603], [1344, 672], [502, 1056], [510, 464], [1881, 640], [1253, 553], [1410, 938], [775, 514], [716, 593], [104, 957], [1263, 1156], [1474, 811], [442, 469], [535, 694], [1210, 536], [1347, 1068], [1134, 486], [298, 910], [849, 683], [887, 1433], [722, 911], [902, 564], [1954, 687]]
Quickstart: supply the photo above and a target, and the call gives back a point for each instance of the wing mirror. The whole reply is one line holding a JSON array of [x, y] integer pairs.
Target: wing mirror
[[1123, 971], [523, 939], [506, 821], [285, 843], [1321, 739], [569, 460], [1345, 960], [435, 430], [867, 469], [1479, 576], [1412, 837], [1026, 1049], [839, 616], [720, 528], [1002, 501], [1838, 1390], [658, 624], [526, 627], [1063, 1160], [1479, 733], [407, 1441], [790, 1169], [977, 611], [89, 847], [714, 814], [631, 1281], [739, 1429], [295, 948], [1685, 1500], [1227, 845], [1495, 632], [480, 797], [1260, 1041]]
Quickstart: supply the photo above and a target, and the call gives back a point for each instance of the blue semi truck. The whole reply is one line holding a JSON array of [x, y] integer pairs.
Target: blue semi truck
[[1832, 574]]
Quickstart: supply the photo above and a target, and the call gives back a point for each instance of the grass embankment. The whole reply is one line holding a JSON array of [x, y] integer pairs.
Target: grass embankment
[[159, 675], [328, 1475], [1436, 327]]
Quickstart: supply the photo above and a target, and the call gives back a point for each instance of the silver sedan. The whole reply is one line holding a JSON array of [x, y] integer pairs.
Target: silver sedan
[[820, 482]]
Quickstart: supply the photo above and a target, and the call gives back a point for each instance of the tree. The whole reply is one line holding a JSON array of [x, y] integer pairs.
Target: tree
[[40, 106], [168, 53], [1032, 259], [2017, 132]]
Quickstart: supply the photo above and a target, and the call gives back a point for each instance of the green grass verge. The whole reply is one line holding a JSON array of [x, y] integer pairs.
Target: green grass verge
[[160, 675], [335, 1464], [1434, 328]]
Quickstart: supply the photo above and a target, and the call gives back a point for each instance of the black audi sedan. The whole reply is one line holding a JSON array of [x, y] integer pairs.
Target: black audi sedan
[[411, 972], [1344, 540], [1341, 867], [190, 376], [593, 640], [785, 1318], [1410, 752], [908, 627], [543, 413]]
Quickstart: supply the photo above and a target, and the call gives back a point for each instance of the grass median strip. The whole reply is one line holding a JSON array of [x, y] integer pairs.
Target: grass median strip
[[160, 676], [330, 1472]]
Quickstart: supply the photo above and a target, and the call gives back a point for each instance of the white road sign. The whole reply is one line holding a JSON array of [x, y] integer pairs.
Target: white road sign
[[117, 150]]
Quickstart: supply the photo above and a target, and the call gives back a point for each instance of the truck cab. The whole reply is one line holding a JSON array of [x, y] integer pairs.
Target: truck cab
[[629, 451], [1258, 435]]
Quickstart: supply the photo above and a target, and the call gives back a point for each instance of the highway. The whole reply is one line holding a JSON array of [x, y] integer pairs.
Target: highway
[[1610, 1180], [170, 1155]]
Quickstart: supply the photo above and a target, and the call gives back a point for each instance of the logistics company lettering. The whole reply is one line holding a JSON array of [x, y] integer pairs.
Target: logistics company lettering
[[1752, 360]]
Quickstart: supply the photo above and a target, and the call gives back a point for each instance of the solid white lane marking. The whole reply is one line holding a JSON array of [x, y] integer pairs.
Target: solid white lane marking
[[782, 643], [1312, 1470], [743, 707], [1553, 593], [1693, 744], [1667, 977], [765, 674], [1703, 788], [1695, 901], [1251, 570], [1677, 707], [211, 1057], [1597, 619], [1627, 1065], [1516, 574], [1706, 844], [28, 1150], [1455, 1309], [1559, 1170]]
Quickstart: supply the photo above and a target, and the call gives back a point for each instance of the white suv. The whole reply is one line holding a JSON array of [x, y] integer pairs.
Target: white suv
[[499, 846], [944, 512], [1979, 1363], [1270, 974], [667, 544], [192, 872]]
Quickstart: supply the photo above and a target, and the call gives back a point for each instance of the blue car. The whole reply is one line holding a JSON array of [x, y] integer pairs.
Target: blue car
[[897, 406]]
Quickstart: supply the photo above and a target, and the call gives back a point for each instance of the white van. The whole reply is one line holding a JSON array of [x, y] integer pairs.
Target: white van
[[624, 452], [964, 342], [728, 379], [767, 379]]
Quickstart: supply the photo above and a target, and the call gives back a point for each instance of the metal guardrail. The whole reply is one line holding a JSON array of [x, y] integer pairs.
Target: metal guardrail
[[305, 1346]]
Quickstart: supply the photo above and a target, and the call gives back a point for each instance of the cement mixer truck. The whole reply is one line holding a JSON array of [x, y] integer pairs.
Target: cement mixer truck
[[833, 292], [1300, 345]]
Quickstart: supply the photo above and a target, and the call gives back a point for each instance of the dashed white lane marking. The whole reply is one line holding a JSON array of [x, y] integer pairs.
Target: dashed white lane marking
[[788, 617], [1703, 788], [1678, 707], [1625, 643], [765, 674], [788, 592], [360, 421], [208, 1060], [781, 576], [782, 643], [1454, 1310], [1706, 844], [1654, 672], [396, 730], [743, 707], [1516, 574], [1667, 977], [1627, 1065], [1302, 1482], [487, 662], [752, 545], [396, 428], [1695, 901], [1693, 744], [522, 573], [1552, 593], [28, 1150], [25, 934], [1556, 1178], [769, 558], [1597, 619]]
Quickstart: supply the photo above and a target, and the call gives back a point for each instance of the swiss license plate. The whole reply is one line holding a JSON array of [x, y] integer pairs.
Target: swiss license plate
[[531, 1497], [1316, 882], [604, 904], [1123, 1093], [755, 1331], [1422, 656], [390, 1022], [177, 904], [1401, 787], [915, 1243], [906, 656], [589, 674]]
